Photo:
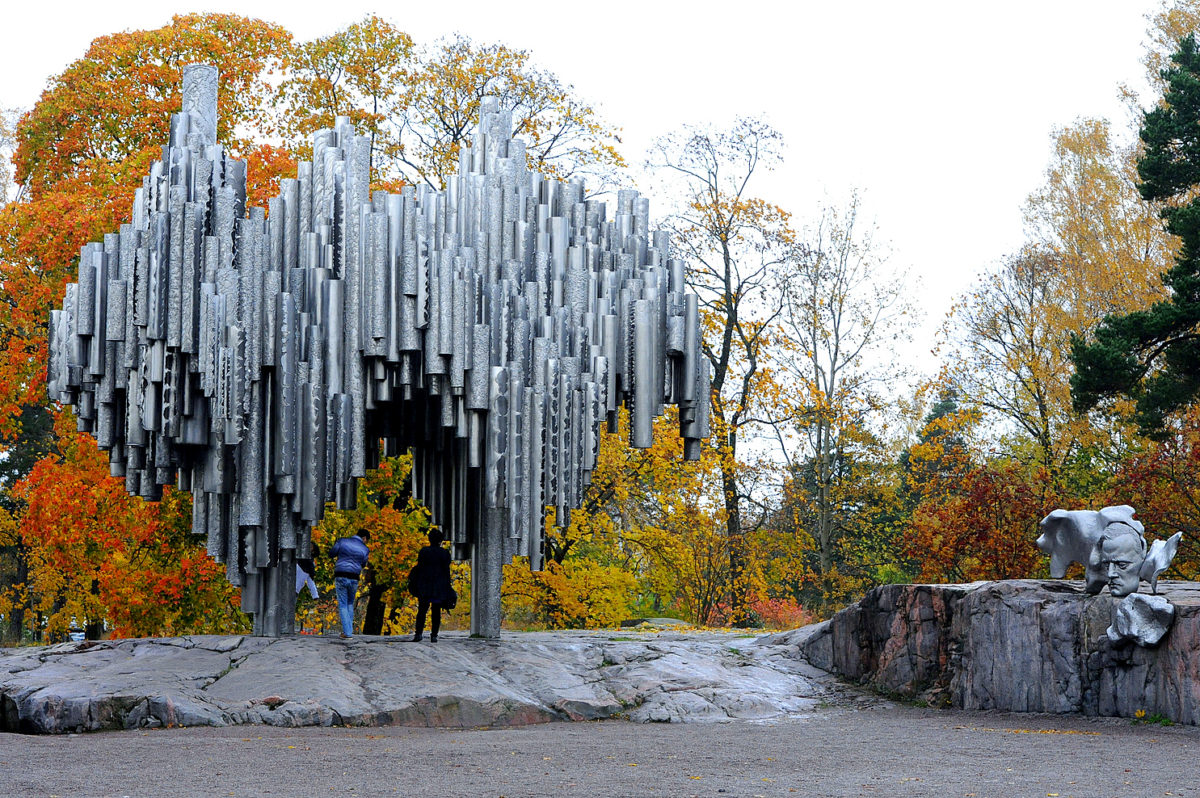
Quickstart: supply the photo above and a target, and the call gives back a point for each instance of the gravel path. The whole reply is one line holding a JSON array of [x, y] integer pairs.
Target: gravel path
[[878, 749]]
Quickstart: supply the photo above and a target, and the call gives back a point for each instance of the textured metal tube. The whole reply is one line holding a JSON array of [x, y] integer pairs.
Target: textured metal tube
[[497, 444], [200, 100], [641, 422]]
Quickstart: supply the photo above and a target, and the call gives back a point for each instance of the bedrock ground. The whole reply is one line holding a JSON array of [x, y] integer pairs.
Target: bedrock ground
[[459, 682]]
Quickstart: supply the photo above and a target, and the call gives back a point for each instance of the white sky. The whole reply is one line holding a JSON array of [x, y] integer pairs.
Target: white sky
[[938, 111]]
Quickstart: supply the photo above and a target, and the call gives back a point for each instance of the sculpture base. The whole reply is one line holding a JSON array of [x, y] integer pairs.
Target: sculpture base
[[1019, 645]]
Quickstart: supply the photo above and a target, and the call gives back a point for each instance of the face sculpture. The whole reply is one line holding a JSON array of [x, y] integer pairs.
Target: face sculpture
[[1118, 557]]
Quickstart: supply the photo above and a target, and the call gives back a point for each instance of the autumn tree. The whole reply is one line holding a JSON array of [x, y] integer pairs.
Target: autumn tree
[[1010, 359], [864, 514], [970, 513], [734, 243], [83, 150], [1090, 218], [983, 529], [362, 72], [1151, 355], [564, 136], [1095, 249], [1010, 364], [14, 574], [843, 315], [672, 534], [1171, 21], [1162, 480], [647, 540], [398, 526], [98, 554], [941, 452]]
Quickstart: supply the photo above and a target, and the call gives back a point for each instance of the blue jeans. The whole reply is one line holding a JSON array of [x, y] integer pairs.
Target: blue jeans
[[346, 588]]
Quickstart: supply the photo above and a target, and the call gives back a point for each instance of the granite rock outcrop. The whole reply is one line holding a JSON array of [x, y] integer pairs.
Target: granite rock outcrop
[[1017, 645], [665, 676]]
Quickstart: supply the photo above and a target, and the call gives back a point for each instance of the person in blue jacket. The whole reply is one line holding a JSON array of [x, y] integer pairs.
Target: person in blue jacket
[[430, 583], [351, 555]]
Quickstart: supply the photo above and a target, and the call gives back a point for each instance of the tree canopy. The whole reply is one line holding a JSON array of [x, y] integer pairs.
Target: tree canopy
[[1153, 355]]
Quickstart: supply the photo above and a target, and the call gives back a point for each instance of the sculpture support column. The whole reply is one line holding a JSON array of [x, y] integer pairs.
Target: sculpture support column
[[487, 572], [278, 598]]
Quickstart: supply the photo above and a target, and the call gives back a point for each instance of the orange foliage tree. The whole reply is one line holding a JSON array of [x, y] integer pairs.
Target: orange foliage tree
[[1162, 481], [80, 154], [98, 554], [984, 529], [84, 148], [970, 517]]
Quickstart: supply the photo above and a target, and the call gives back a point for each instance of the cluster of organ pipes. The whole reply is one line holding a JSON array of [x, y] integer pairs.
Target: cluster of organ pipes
[[264, 360]]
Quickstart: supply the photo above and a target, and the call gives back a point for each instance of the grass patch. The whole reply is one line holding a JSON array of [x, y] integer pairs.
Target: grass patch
[[1157, 719]]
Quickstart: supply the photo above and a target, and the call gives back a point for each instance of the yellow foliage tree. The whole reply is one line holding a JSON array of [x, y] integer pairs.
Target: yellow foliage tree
[[734, 243], [1173, 20], [398, 525], [360, 72], [579, 593], [1109, 243], [1097, 248], [564, 136], [652, 516]]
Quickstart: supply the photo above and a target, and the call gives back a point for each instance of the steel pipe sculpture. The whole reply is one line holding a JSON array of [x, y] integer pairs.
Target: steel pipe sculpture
[[265, 360]]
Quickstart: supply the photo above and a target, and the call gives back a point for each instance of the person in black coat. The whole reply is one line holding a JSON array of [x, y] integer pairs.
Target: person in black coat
[[430, 583]]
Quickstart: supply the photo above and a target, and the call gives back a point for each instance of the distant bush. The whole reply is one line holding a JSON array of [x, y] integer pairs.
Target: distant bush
[[781, 613]]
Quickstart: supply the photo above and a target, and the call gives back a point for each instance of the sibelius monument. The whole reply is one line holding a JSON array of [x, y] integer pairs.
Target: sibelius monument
[[265, 359]]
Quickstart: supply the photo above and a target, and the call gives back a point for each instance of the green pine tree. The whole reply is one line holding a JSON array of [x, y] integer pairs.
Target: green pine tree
[[1153, 355]]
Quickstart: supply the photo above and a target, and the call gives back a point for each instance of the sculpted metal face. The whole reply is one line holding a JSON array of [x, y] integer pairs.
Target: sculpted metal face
[[1112, 547], [1070, 536], [1119, 555]]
